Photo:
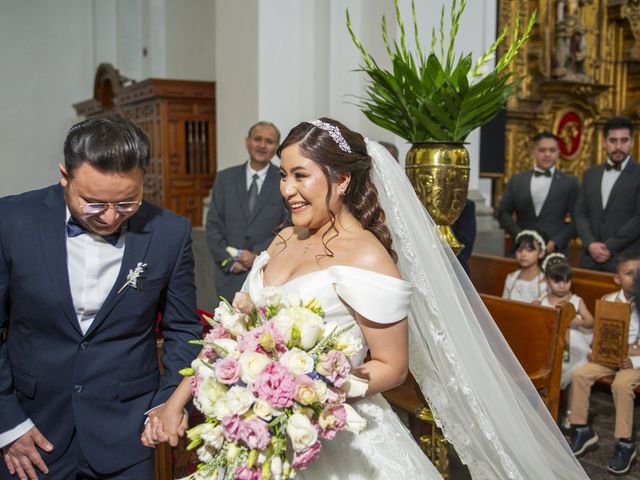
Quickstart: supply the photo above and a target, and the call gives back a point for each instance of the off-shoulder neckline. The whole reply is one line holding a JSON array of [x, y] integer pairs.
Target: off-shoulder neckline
[[264, 257]]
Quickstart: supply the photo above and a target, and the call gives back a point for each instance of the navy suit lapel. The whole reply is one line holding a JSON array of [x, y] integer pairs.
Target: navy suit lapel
[[265, 192], [54, 246], [139, 235]]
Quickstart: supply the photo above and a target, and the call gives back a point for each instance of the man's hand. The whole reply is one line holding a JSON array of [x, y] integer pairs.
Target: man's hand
[[22, 455], [551, 246], [599, 252], [246, 258], [164, 425], [238, 267]]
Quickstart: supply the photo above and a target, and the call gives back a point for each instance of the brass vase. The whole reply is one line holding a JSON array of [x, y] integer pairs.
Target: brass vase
[[439, 173]]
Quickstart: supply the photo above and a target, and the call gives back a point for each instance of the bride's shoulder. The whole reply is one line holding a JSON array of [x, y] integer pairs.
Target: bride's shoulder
[[366, 252]]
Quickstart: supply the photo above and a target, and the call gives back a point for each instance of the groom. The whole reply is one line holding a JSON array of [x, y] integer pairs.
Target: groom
[[85, 268]]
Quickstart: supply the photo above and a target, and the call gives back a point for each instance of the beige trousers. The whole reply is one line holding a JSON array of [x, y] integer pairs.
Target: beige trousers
[[623, 395]]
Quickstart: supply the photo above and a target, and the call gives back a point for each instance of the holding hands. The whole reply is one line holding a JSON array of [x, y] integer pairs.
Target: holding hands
[[164, 424]]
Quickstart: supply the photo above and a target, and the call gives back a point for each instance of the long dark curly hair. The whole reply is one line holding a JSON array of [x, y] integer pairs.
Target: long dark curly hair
[[361, 196]]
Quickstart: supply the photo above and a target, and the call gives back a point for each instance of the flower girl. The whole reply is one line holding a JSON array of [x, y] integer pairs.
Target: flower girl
[[527, 284], [559, 275]]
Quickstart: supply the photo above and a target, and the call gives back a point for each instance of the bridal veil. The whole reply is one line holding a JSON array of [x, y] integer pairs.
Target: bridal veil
[[481, 397]]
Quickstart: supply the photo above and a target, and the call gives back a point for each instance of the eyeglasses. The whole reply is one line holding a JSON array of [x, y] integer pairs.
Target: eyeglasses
[[120, 207]]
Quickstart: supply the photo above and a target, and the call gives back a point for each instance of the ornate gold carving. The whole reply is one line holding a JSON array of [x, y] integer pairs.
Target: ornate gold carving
[[631, 11]]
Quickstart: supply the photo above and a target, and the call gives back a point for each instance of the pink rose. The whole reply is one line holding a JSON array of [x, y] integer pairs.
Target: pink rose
[[276, 385], [246, 473], [331, 421], [301, 460], [227, 370], [334, 366], [231, 427], [264, 339], [336, 396], [254, 433]]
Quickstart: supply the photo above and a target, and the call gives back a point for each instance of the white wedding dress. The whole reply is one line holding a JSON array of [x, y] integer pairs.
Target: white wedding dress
[[385, 449]]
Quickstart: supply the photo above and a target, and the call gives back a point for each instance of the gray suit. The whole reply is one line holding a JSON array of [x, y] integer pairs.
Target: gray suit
[[230, 224], [560, 201], [618, 225]]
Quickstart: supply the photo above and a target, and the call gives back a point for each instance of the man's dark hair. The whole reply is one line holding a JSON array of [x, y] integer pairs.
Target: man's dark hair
[[617, 123], [267, 124], [108, 143], [545, 134], [624, 257]]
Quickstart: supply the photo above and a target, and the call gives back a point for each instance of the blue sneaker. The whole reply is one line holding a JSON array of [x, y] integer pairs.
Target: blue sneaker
[[581, 439], [623, 455]]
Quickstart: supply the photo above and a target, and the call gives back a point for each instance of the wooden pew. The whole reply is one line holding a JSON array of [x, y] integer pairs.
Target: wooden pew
[[535, 334], [488, 273]]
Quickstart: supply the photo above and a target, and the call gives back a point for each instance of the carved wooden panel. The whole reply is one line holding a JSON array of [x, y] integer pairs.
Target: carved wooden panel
[[179, 117]]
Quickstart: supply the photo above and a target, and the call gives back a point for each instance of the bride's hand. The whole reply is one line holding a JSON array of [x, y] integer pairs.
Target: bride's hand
[[243, 303], [164, 425]]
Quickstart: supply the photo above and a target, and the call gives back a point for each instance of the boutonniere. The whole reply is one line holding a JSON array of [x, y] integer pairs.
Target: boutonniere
[[132, 277]]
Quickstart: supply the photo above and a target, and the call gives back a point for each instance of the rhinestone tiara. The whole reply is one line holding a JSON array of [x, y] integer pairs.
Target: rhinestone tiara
[[334, 132]]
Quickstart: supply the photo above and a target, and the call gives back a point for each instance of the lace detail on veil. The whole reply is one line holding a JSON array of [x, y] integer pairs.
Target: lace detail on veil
[[444, 367]]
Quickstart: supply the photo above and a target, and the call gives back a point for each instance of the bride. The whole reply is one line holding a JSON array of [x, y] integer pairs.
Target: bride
[[341, 250]]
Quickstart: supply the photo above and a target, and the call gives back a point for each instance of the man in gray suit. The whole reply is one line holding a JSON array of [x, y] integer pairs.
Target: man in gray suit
[[608, 208], [541, 198], [246, 207]]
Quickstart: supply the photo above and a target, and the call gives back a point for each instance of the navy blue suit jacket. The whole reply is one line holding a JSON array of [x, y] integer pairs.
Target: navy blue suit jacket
[[99, 384]]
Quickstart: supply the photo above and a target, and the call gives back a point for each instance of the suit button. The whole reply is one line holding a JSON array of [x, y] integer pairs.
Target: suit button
[[78, 388], [84, 345]]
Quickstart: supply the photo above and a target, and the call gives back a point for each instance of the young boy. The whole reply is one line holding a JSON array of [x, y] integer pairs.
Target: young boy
[[627, 377]]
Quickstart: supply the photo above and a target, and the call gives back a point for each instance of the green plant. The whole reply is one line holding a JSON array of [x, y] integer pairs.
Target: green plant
[[436, 98]]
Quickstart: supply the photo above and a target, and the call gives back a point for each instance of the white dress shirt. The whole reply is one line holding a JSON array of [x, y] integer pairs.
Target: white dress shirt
[[609, 178], [262, 174], [539, 187], [634, 321], [93, 265]]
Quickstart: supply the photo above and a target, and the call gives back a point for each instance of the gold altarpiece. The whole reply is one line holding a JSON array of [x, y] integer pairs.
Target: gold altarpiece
[[179, 118], [580, 66]]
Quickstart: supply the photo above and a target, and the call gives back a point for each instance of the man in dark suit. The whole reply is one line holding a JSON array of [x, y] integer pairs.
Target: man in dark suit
[[85, 268], [608, 208], [541, 198], [246, 207]]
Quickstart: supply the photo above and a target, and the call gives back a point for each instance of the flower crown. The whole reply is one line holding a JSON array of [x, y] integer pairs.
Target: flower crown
[[550, 258], [536, 236], [334, 132]]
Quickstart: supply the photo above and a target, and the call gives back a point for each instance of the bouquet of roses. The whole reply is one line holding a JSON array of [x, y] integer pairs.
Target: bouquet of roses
[[271, 381]]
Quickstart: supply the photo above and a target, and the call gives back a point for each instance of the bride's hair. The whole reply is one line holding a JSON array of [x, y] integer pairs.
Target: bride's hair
[[344, 151]]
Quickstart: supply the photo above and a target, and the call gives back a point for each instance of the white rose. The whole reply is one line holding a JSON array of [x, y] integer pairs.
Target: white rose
[[222, 409], [302, 434], [349, 345], [240, 399], [209, 393], [229, 345], [310, 326], [203, 369], [212, 436], [235, 324], [262, 409], [251, 364], [284, 323], [353, 422], [321, 390], [271, 296], [205, 454], [294, 299], [297, 361]]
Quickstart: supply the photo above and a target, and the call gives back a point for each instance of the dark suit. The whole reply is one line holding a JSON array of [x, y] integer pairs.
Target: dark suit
[[98, 385], [560, 201], [618, 225], [229, 222]]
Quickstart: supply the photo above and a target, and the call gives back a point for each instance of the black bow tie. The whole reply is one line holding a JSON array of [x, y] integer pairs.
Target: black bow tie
[[612, 166], [74, 228], [540, 173]]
